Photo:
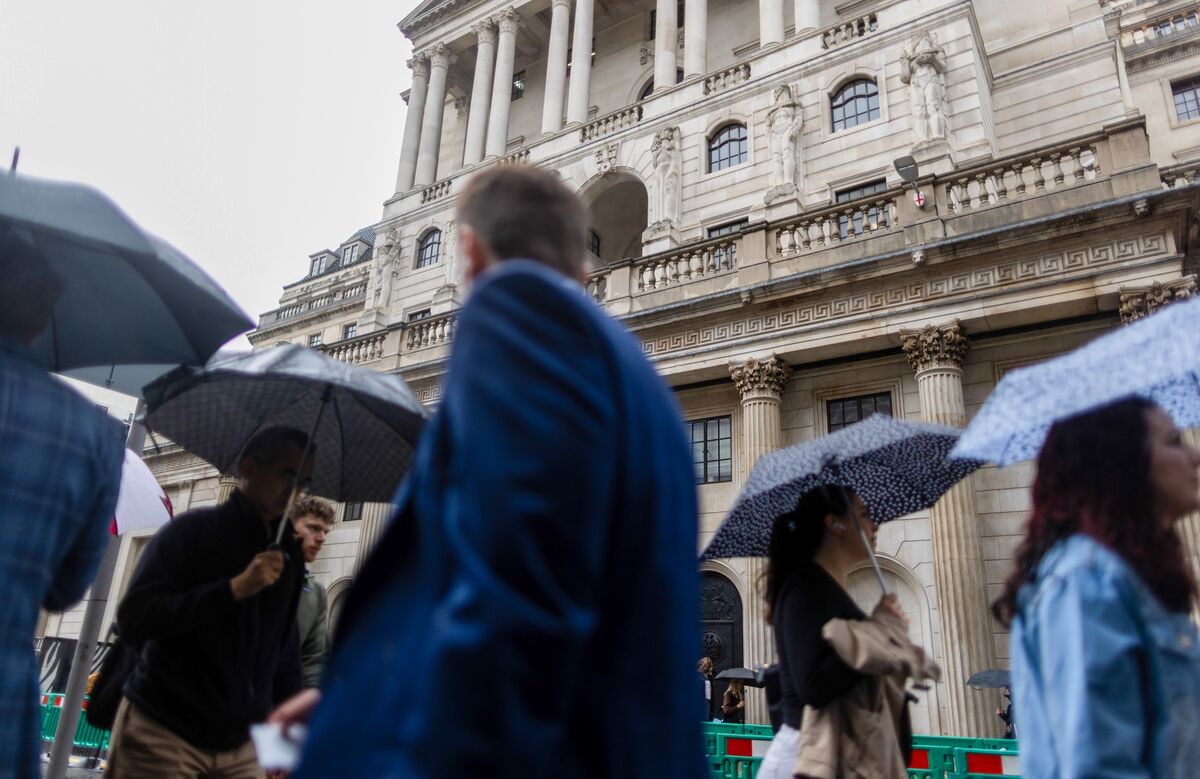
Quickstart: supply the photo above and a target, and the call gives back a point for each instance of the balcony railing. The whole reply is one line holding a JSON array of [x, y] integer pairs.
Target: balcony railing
[[850, 30], [1162, 28], [837, 224], [1180, 176], [365, 348], [433, 331], [687, 263], [1015, 178], [724, 79], [611, 123], [435, 192], [597, 286], [294, 310]]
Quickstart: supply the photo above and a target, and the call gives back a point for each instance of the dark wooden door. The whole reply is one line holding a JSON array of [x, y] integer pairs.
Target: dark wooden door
[[720, 627]]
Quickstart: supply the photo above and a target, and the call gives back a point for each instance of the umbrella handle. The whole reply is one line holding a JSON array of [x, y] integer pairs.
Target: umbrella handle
[[871, 556], [326, 395]]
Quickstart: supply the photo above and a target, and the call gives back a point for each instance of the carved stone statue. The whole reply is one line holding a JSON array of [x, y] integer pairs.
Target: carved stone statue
[[668, 168], [388, 251], [923, 69], [784, 124]]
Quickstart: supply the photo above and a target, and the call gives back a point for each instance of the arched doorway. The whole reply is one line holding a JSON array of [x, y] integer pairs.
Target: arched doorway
[[864, 589], [618, 204], [720, 626]]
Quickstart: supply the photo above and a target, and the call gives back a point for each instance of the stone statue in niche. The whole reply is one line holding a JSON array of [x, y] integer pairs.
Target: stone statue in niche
[[668, 168], [388, 250], [923, 69], [784, 124]]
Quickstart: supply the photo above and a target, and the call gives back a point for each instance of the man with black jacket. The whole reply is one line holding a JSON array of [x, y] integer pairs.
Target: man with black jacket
[[214, 614]]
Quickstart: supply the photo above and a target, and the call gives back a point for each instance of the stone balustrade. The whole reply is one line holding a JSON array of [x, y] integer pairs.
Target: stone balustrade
[[723, 79], [355, 291], [435, 192], [832, 226], [687, 263], [356, 351], [597, 286], [293, 310], [519, 157], [1180, 176], [849, 30], [610, 123], [433, 331], [1185, 20], [1016, 178]]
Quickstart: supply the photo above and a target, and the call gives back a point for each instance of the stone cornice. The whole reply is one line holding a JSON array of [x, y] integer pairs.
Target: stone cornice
[[760, 377], [1165, 55], [1138, 302], [935, 346]]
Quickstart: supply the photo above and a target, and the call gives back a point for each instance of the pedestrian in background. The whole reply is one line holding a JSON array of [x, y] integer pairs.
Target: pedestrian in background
[[60, 471], [1105, 660], [733, 703], [705, 670], [313, 520]]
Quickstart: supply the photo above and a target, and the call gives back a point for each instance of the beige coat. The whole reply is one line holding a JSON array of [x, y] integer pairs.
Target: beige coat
[[858, 735]]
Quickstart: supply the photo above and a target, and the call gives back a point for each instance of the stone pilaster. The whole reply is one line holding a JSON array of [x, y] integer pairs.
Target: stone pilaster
[[481, 91], [506, 51], [937, 355], [374, 516], [556, 66], [405, 176], [580, 90], [225, 487], [431, 124], [1138, 302], [760, 383]]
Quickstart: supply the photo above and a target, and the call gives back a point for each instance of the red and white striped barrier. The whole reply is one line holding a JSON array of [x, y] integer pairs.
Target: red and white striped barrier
[[993, 764], [747, 747]]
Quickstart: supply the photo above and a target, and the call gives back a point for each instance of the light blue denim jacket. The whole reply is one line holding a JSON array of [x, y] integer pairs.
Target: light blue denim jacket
[[1105, 680]]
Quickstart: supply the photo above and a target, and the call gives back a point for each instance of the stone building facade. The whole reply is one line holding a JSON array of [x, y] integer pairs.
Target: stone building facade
[[750, 227]]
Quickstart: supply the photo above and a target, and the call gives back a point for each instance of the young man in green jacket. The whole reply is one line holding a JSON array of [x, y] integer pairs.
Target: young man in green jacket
[[313, 520]]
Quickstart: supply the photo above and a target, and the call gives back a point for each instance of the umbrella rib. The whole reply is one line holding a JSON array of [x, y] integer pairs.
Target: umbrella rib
[[337, 411]]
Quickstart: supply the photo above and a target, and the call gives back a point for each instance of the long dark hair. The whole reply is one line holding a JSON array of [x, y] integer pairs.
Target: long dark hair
[[797, 535], [1094, 478]]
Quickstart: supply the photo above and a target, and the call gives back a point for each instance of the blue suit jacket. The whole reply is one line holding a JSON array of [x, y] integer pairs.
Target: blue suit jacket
[[531, 609]]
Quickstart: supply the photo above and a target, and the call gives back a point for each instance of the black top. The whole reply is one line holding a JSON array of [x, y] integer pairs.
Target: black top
[[811, 673], [211, 666]]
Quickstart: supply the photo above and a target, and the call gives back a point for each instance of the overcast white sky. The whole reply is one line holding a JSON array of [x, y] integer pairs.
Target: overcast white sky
[[248, 134]]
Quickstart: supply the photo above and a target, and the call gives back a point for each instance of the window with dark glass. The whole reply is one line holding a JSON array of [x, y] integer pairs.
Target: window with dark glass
[[855, 103], [1187, 98], [430, 249], [352, 512], [846, 411], [648, 89], [594, 242], [317, 267], [727, 147], [712, 449], [571, 56], [518, 85], [726, 256], [679, 9], [314, 340], [349, 331], [873, 214], [350, 254], [416, 316]]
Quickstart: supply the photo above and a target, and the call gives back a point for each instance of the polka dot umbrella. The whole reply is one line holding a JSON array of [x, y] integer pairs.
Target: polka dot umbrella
[[896, 467]]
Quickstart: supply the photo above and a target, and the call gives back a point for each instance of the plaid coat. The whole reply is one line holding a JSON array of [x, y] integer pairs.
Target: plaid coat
[[60, 469]]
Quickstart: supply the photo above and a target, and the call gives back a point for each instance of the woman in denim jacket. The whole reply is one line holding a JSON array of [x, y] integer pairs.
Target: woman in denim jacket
[[1105, 661]]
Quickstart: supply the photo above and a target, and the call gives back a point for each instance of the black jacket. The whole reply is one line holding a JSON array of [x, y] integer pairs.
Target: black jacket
[[210, 666]]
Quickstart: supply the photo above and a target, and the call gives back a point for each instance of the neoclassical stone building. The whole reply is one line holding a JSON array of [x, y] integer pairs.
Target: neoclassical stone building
[[749, 225]]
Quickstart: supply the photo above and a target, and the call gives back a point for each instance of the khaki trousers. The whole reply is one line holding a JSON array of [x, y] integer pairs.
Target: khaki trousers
[[142, 748]]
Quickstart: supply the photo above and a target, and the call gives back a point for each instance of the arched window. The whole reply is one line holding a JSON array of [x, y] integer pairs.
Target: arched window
[[430, 250], [857, 102], [648, 89], [727, 147]]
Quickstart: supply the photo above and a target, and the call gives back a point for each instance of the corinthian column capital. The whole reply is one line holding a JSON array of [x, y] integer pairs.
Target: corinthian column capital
[[1138, 302], [508, 20], [419, 65], [757, 377], [440, 56], [485, 31], [935, 346]]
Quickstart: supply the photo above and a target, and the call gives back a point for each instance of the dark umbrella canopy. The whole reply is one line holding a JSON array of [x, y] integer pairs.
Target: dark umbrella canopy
[[991, 679], [132, 306], [751, 678], [896, 467], [369, 421]]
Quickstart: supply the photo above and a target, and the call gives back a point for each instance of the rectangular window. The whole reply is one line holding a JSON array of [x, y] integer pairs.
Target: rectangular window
[[350, 254], [352, 512], [1187, 98], [712, 449], [725, 257], [873, 214], [349, 331], [571, 55], [317, 267], [416, 316], [846, 411], [518, 85], [594, 242], [727, 229], [314, 340]]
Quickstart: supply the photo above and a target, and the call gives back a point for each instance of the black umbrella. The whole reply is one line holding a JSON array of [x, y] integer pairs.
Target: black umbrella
[[132, 307], [363, 423], [751, 678], [991, 679]]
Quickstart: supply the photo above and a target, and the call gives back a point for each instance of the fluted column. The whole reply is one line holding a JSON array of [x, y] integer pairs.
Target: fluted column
[[412, 122], [937, 355], [481, 91], [808, 15], [506, 52], [556, 66], [760, 383], [225, 487], [580, 90], [770, 22], [431, 126], [695, 38], [666, 39], [374, 517]]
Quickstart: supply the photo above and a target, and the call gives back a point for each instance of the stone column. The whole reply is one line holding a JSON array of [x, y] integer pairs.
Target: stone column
[[937, 355], [695, 38], [412, 122], [579, 92], [225, 487], [481, 91], [808, 16], [666, 39], [506, 52], [770, 22], [760, 383], [556, 66], [370, 529], [431, 126]]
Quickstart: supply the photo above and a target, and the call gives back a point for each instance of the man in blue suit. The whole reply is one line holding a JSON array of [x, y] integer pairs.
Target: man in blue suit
[[532, 607]]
